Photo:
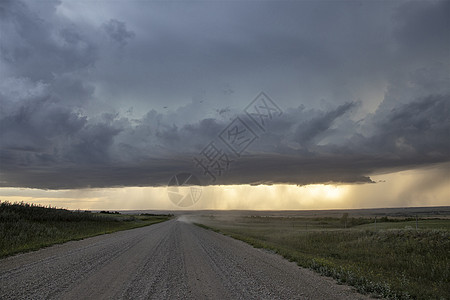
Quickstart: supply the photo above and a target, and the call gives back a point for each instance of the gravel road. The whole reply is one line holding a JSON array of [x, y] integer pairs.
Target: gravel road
[[170, 260]]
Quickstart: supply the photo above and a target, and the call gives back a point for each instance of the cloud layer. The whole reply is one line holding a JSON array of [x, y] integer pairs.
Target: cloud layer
[[120, 96]]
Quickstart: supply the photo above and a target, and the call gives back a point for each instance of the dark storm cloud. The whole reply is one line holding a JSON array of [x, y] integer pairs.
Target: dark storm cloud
[[118, 31], [41, 49], [129, 95], [416, 131], [309, 130], [422, 27], [106, 154]]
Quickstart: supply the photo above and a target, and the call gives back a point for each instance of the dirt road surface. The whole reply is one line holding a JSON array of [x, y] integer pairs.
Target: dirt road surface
[[170, 260]]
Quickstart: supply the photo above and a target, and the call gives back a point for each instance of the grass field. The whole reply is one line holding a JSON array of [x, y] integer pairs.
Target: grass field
[[390, 259], [25, 227]]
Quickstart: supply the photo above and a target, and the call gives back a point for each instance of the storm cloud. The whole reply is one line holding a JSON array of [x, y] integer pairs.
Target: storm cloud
[[107, 94]]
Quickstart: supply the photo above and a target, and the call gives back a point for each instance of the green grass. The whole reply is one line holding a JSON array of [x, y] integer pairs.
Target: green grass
[[394, 261], [25, 227]]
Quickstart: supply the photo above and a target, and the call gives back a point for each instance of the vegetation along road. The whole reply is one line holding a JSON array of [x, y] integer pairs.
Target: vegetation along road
[[172, 259]]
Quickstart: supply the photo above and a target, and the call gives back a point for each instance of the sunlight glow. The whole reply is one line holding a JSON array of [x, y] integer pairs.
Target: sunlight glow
[[420, 187]]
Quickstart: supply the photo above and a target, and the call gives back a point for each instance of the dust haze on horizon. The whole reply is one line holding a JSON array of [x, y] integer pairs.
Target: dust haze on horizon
[[102, 103]]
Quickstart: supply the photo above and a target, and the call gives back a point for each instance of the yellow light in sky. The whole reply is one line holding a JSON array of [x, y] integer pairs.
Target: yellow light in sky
[[325, 191], [421, 187]]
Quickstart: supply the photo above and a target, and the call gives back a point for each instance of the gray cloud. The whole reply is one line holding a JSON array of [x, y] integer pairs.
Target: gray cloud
[[115, 152], [421, 28], [417, 130], [364, 88], [41, 49], [118, 32], [307, 131]]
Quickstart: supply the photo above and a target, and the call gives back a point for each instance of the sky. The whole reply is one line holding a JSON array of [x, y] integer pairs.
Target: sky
[[269, 104]]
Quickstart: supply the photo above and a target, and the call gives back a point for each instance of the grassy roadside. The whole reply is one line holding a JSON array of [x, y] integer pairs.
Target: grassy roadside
[[25, 227], [393, 261]]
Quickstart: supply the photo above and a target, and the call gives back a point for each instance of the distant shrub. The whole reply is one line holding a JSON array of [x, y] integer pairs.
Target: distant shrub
[[110, 212], [156, 215]]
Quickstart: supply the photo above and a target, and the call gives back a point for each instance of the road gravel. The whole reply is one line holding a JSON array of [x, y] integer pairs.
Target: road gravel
[[169, 260]]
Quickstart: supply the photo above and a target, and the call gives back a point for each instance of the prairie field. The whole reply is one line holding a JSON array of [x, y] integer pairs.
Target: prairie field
[[395, 257], [25, 227]]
